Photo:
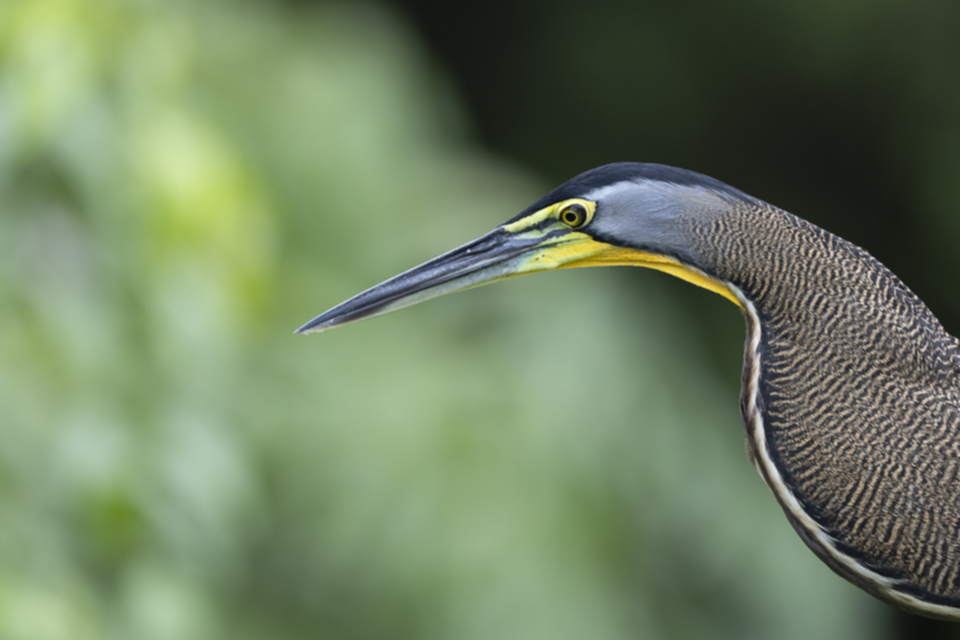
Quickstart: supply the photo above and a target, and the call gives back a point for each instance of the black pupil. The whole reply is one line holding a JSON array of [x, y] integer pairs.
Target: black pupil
[[573, 215]]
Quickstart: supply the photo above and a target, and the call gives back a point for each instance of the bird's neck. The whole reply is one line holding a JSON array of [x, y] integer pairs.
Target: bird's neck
[[814, 289]]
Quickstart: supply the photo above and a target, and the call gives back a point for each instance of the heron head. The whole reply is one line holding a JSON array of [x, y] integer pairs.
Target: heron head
[[619, 214]]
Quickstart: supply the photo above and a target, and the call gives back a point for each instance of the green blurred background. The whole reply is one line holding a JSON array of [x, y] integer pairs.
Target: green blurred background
[[184, 182]]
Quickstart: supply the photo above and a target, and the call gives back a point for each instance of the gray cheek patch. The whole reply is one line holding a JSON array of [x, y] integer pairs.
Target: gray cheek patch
[[654, 216]]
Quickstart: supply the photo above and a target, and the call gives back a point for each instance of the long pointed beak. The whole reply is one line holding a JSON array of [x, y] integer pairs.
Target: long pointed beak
[[495, 256]]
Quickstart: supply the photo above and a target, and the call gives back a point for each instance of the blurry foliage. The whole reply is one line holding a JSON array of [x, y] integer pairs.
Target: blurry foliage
[[184, 183]]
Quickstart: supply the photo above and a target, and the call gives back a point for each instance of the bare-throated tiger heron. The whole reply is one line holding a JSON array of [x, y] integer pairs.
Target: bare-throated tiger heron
[[851, 388]]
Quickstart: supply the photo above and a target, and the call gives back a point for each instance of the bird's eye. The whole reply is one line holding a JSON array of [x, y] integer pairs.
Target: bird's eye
[[573, 215]]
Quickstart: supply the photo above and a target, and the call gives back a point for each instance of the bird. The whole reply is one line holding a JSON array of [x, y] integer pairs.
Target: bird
[[850, 388]]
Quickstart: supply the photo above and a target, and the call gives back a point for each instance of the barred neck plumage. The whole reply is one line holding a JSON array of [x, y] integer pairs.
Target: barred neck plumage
[[851, 403]]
